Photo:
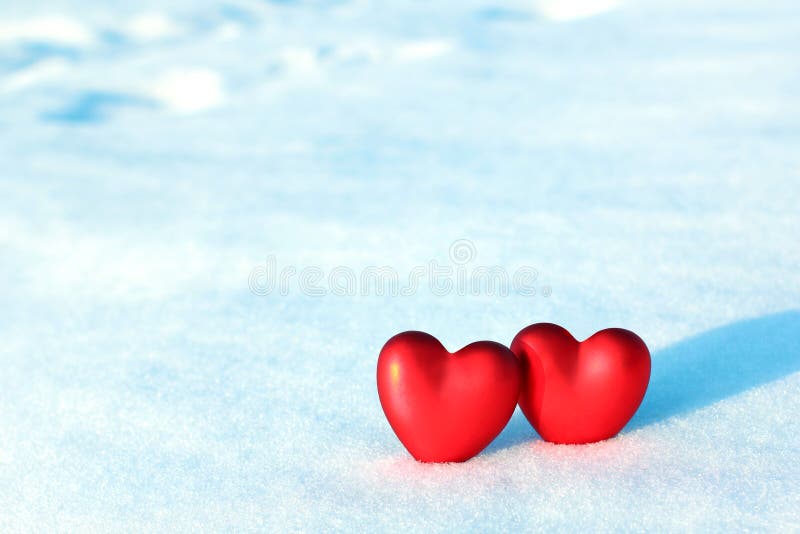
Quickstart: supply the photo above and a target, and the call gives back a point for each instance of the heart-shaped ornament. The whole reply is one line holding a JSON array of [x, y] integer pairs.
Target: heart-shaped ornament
[[446, 407], [580, 392]]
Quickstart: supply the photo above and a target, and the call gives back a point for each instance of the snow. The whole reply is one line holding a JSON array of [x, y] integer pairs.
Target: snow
[[641, 156]]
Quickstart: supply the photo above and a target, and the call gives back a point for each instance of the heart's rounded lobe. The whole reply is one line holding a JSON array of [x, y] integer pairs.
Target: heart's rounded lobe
[[446, 407], [580, 392]]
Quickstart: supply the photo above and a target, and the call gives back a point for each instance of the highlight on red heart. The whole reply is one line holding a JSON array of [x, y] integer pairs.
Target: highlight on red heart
[[447, 407]]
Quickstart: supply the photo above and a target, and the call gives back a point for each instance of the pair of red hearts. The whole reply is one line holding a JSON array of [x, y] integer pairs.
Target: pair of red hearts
[[448, 407]]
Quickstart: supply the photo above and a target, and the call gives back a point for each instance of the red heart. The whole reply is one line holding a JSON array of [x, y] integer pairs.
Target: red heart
[[575, 392], [446, 407]]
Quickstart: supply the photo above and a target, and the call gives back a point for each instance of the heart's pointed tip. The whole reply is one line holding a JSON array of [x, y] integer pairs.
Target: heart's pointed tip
[[441, 461]]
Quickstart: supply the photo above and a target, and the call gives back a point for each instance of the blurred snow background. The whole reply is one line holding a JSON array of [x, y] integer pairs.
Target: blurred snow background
[[643, 156]]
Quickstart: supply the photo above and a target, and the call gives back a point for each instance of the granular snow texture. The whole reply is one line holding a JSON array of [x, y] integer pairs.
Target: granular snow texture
[[156, 159]]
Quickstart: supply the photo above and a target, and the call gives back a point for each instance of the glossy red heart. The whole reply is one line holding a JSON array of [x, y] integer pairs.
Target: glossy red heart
[[446, 407], [580, 392]]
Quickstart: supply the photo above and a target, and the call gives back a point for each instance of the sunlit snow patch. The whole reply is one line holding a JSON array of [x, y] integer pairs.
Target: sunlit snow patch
[[562, 10], [47, 29], [422, 50], [151, 27], [37, 73], [188, 90]]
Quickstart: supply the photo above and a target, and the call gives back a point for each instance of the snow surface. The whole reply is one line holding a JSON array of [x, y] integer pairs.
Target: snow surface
[[642, 156]]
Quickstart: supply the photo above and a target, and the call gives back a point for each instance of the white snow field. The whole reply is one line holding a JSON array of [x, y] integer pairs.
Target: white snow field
[[642, 156]]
